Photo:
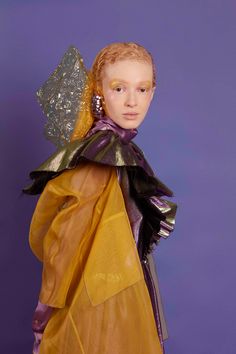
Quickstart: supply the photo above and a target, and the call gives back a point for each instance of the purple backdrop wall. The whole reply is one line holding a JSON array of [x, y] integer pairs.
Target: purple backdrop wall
[[188, 137]]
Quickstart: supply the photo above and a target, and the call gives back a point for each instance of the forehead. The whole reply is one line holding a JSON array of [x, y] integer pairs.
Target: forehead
[[128, 69]]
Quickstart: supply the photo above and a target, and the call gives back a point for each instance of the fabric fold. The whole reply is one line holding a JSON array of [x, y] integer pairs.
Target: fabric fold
[[104, 147], [92, 275], [99, 216]]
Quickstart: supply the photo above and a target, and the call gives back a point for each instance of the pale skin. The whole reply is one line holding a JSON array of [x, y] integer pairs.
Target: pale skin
[[128, 90]]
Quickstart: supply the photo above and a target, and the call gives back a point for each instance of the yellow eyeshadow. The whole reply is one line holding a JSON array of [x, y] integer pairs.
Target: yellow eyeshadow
[[144, 84], [113, 84]]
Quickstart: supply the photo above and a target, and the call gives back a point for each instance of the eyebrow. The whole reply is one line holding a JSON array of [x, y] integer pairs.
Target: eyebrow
[[114, 81]]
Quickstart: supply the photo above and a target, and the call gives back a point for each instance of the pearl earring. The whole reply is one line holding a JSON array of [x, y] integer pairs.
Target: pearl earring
[[97, 106]]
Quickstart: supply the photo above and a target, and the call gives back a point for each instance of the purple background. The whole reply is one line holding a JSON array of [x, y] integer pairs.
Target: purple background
[[188, 137]]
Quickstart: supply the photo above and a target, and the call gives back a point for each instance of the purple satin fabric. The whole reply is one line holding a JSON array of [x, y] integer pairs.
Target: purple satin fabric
[[107, 123], [135, 218], [154, 300]]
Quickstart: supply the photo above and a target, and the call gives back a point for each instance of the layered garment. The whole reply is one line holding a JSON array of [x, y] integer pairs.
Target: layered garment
[[92, 275], [98, 216]]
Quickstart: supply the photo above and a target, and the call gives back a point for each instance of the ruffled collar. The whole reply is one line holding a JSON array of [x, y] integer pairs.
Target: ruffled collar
[[106, 123]]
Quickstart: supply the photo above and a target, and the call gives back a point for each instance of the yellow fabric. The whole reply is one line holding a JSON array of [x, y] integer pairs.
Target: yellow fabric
[[92, 275]]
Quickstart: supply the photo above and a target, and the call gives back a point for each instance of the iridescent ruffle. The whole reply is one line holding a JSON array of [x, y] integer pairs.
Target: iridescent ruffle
[[103, 147]]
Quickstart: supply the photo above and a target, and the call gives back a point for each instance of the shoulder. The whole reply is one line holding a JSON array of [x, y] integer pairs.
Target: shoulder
[[87, 177]]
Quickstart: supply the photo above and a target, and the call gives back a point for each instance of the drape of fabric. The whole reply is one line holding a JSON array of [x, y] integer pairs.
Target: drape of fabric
[[136, 219], [112, 147], [155, 282], [150, 216], [92, 275], [42, 312], [107, 144]]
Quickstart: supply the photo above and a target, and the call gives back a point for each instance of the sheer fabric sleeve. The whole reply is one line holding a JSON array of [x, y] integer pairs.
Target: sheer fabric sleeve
[[61, 218]]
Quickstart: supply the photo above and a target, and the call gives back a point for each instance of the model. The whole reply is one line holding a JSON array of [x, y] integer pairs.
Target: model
[[101, 210]]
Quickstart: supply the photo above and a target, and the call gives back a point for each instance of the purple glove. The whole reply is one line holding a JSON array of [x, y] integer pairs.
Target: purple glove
[[41, 317]]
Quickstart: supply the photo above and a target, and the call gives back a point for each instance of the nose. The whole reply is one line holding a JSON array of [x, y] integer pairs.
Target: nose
[[131, 99]]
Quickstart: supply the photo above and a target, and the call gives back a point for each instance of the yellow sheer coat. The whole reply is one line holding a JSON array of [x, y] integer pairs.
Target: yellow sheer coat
[[92, 275]]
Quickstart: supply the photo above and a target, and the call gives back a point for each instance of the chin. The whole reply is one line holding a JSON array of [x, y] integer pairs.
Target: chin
[[127, 123], [130, 124]]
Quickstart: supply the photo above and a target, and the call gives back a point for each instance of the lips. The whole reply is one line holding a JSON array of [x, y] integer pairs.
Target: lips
[[130, 115]]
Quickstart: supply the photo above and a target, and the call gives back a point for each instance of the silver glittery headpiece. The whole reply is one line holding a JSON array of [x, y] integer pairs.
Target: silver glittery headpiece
[[61, 96]]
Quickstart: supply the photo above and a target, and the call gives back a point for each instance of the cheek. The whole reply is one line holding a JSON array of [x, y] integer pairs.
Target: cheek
[[111, 99], [147, 100]]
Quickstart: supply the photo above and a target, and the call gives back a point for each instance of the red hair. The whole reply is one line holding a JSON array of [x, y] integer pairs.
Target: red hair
[[119, 51]]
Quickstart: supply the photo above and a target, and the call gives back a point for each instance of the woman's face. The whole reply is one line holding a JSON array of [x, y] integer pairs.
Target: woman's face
[[127, 90]]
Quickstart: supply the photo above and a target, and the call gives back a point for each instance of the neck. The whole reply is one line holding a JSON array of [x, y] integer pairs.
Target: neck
[[106, 123]]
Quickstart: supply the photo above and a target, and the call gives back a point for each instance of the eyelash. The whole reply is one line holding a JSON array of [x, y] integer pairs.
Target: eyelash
[[141, 89], [144, 88], [117, 88]]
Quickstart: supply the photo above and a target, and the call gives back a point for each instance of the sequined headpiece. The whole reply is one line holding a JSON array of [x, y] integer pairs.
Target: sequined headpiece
[[66, 99]]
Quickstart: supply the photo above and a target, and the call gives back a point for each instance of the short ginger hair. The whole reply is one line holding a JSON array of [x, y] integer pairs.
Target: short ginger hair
[[119, 51]]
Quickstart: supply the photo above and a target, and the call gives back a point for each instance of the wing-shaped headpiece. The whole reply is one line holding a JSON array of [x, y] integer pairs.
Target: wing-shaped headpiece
[[61, 97]]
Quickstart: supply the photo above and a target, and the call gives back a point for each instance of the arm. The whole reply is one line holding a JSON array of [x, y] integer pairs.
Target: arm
[[62, 217]]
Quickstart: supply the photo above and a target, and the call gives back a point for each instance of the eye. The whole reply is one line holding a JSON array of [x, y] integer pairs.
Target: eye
[[143, 89], [119, 89]]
